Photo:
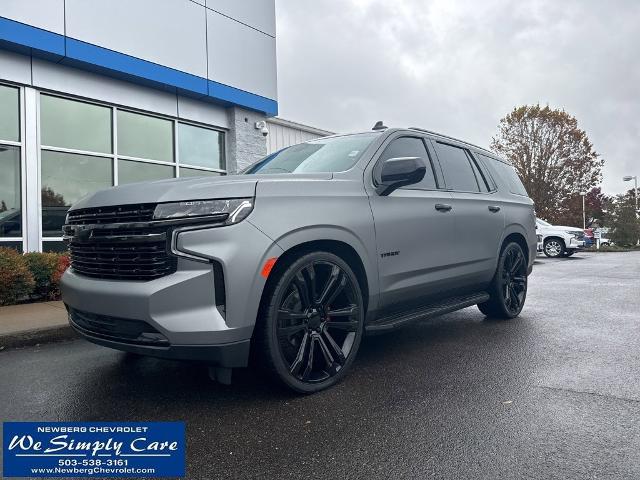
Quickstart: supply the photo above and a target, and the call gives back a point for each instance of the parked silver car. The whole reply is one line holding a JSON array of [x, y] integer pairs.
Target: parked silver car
[[301, 255]]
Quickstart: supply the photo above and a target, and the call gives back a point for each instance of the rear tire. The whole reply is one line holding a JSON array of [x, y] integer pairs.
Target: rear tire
[[508, 290], [311, 322]]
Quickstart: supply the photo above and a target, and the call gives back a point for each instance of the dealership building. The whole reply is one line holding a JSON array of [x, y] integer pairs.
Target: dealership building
[[95, 93]]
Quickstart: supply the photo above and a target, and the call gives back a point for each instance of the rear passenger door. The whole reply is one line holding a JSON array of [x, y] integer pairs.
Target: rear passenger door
[[413, 229], [479, 215]]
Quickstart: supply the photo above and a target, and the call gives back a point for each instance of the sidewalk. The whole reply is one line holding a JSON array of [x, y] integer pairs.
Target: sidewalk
[[32, 323]]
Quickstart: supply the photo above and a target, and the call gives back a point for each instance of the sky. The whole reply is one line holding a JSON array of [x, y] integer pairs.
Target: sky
[[459, 66]]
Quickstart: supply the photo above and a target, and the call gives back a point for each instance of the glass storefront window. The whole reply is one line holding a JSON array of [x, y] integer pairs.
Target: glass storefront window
[[81, 144], [75, 125], [142, 136], [130, 171], [15, 245], [66, 178], [10, 197], [192, 172], [56, 246], [9, 114], [200, 147]]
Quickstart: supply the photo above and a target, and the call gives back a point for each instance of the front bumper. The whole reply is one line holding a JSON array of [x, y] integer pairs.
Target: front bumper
[[230, 355], [185, 308], [178, 309], [574, 243]]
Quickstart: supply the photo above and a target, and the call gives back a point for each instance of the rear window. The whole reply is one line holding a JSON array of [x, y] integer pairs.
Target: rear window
[[508, 175]]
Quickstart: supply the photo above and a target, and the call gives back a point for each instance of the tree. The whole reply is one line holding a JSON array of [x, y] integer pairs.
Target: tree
[[554, 158], [626, 227], [596, 204], [51, 198]]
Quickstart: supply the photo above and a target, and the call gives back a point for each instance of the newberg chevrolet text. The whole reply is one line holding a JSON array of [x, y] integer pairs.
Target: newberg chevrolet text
[[295, 259]]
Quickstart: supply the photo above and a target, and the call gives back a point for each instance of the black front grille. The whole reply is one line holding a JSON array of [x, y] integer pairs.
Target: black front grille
[[115, 214], [117, 329], [122, 261], [120, 243]]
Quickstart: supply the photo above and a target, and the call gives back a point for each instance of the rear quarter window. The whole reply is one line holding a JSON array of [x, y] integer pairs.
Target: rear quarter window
[[508, 175]]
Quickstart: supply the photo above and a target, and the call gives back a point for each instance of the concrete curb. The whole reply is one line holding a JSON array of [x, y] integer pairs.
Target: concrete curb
[[37, 336]]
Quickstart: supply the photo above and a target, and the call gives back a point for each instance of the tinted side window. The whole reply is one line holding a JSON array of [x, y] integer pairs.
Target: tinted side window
[[411, 147], [508, 175], [457, 169]]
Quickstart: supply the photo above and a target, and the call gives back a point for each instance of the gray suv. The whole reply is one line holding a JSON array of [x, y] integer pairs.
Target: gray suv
[[292, 261]]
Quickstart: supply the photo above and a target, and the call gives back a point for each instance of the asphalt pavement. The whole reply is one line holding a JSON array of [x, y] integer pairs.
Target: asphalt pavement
[[552, 394]]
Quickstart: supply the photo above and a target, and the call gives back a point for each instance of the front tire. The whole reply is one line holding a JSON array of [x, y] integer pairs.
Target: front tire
[[312, 322], [553, 248], [508, 290]]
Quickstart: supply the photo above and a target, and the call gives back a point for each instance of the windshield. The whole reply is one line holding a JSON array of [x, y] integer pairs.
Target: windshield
[[543, 223], [332, 154]]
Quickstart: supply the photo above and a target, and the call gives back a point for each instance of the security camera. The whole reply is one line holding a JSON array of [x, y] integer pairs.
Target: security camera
[[262, 126]]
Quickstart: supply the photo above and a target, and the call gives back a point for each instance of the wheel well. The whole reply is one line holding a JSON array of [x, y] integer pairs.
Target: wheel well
[[343, 250], [520, 240]]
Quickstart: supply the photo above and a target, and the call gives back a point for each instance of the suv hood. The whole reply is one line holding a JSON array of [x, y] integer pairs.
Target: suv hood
[[178, 189], [561, 228]]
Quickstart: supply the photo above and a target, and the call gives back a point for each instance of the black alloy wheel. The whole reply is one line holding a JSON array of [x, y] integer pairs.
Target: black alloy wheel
[[508, 290], [314, 322]]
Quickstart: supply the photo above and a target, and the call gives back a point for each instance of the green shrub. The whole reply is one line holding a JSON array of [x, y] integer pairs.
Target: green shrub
[[16, 280], [617, 248], [63, 264], [42, 266]]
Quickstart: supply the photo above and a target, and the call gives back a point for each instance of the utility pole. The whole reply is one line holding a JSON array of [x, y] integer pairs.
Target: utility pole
[[584, 215], [627, 178]]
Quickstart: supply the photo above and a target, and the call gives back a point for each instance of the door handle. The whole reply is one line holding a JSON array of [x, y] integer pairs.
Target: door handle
[[443, 207], [494, 208]]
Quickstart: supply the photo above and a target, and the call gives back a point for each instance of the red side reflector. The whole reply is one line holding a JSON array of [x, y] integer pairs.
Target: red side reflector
[[268, 265]]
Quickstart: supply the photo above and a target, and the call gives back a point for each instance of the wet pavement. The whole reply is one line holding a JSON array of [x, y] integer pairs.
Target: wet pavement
[[552, 394]]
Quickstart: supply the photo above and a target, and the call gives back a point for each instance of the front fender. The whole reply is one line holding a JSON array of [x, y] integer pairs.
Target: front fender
[[336, 233]]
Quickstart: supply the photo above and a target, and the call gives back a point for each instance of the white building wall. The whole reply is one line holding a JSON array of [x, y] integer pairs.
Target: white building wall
[[44, 14], [229, 42], [284, 133], [248, 62], [168, 32], [257, 14]]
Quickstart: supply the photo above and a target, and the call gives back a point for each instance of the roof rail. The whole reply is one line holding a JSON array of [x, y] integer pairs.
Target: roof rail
[[451, 138]]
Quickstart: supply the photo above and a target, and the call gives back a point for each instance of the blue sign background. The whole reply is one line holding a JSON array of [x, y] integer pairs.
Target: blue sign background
[[101, 459]]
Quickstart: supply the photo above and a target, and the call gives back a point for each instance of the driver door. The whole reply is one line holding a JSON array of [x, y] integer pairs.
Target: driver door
[[414, 226]]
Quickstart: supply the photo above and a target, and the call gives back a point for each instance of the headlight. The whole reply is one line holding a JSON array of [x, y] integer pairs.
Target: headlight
[[229, 210], [572, 232]]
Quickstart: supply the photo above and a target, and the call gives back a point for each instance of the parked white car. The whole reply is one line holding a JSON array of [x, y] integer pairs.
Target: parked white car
[[558, 241]]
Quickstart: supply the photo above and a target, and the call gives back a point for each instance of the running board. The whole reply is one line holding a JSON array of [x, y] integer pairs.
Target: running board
[[398, 320]]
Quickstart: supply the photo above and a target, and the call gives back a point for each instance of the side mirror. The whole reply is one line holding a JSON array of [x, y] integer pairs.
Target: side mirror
[[399, 172]]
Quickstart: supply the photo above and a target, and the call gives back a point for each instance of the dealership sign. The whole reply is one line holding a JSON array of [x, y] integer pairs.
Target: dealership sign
[[105, 449]]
